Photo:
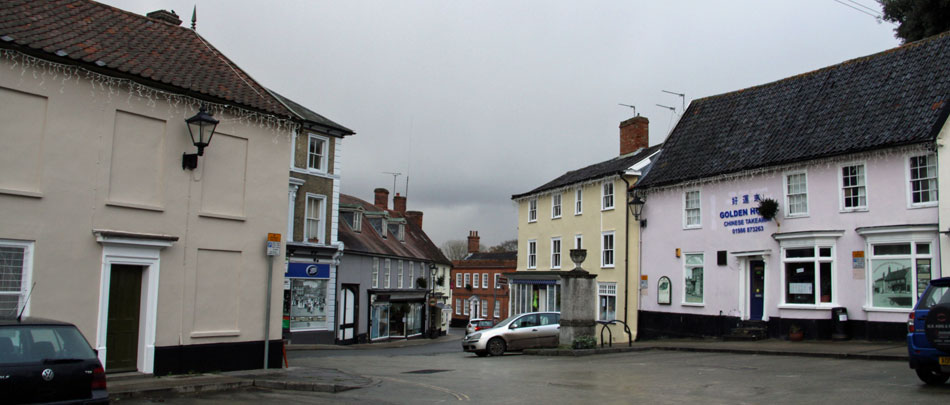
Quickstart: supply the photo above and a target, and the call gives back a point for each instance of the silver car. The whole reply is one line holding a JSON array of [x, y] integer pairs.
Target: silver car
[[523, 331]]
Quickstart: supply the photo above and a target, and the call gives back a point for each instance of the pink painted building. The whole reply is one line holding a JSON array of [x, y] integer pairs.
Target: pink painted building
[[849, 157]]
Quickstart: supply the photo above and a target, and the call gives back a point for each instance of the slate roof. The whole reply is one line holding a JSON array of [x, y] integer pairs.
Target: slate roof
[[309, 116], [595, 171], [889, 99], [119, 43], [416, 246]]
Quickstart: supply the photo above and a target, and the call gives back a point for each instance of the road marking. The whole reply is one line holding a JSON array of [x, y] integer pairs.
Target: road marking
[[458, 395]]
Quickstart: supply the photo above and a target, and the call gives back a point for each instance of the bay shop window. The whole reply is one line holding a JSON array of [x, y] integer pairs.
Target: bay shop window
[[899, 264], [535, 296], [808, 268]]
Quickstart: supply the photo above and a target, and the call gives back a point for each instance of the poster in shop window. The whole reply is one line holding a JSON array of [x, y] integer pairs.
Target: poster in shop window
[[308, 307]]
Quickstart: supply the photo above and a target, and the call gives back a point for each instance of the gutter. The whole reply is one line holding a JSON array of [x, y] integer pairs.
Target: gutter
[[626, 251]]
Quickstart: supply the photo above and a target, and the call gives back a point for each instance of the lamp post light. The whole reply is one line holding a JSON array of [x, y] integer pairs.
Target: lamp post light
[[636, 208], [202, 126]]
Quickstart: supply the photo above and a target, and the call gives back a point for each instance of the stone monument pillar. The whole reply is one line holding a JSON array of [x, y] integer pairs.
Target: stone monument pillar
[[578, 301]]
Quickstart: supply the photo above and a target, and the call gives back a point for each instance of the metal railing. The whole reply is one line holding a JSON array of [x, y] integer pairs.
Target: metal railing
[[610, 334]]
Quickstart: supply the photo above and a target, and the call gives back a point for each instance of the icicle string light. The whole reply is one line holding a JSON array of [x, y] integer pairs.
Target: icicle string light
[[112, 86]]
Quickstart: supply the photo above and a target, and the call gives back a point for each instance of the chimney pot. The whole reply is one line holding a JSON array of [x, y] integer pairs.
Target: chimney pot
[[473, 241], [414, 217], [166, 16], [399, 203], [634, 134], [382, 198]]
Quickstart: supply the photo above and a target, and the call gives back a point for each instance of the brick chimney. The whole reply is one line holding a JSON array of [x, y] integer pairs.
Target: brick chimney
[[166, 16], [399, 203], [414, 217], [382, 198], [634, 134], [473, 240]]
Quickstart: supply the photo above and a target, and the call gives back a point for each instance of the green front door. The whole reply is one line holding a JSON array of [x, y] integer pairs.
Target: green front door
[[122, 336]]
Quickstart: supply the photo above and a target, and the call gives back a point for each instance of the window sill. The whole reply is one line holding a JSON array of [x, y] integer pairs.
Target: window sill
[[144, 207], [825, 306], [555, 217], [223, 216], [927, 205], [21, 193], [850, 210], [693, 304], [607, 209], [689, 228], [891, 310], [608, 267], [531, 221], [796, 216], [216, 333]]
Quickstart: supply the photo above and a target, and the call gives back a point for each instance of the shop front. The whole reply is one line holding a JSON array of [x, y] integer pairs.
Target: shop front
[[396, 314], [532, 291], [307, 313]]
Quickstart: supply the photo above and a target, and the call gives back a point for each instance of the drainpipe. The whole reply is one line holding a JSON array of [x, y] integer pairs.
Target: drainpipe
[[626, 250]]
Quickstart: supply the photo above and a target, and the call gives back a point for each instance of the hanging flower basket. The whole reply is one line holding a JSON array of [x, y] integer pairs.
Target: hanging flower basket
[[768, 209]]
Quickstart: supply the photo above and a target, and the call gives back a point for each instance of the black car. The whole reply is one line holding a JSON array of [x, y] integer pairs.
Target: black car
[[42, 360]]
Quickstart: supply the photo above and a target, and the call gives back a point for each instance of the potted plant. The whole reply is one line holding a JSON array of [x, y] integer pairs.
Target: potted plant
[[795, 333], [768, 209], [421, 282]]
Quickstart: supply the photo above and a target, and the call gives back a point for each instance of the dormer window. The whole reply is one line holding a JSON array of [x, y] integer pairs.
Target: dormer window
[[353, 218], [378, 225], [398, 230]]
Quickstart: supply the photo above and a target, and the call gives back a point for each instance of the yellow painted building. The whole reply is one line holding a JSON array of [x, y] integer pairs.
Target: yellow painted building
[[585, 209]]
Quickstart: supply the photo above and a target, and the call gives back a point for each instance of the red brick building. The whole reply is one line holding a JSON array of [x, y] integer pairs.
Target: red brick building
[[476, 289]]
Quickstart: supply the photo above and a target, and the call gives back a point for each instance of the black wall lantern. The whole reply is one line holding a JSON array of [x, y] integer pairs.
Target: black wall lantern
[[201, 128], [636, 208]]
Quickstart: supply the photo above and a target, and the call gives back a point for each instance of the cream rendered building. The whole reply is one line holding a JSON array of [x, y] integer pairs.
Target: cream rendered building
[[585, 209], [162, 267]]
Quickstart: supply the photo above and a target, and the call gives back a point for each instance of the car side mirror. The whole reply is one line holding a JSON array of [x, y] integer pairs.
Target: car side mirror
[[512, 326]]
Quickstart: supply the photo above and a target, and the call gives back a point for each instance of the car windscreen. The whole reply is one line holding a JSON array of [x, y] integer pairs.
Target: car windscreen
[[936, 294], [39, 343]]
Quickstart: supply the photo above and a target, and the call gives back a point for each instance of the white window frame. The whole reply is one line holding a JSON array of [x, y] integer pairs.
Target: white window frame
[[497, 277], [555, 205], [607, 196], [458, 306], [578, 241], [387, 273], [475, 280], [324, 155], [556, 253], [687, 209], [841, 187], [496, 309], [912, 235], [604, 249], [465, 309], [458, 280], [375, 272], [468, 280], [26, 274], [686, 269], [816, 240], [606, 290], [484, 309], [532, 257], [484, 280], [399, 274], [785, 192], [320, 221], [909, 182], [578, 201], [533, 210]]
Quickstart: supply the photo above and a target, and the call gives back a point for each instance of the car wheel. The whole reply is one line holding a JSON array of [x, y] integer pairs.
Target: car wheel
[[931, 376], [481, 354], [496, 347]]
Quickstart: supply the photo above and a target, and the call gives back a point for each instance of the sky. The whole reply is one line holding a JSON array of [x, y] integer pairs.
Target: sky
[[474, 101]]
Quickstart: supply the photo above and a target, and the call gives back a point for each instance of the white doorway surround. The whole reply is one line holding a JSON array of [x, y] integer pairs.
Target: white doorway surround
[[136, 249]]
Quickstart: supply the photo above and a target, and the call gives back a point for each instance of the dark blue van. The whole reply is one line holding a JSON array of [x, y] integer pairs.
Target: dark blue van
[[928, 333]]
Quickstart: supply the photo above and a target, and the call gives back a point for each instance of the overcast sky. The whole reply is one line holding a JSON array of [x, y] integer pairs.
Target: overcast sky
[[477, 100]]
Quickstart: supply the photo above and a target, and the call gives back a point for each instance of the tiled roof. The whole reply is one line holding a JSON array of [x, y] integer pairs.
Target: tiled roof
[[417, 244], [309, 116], [120, 43], [893, 98], [595, 171]]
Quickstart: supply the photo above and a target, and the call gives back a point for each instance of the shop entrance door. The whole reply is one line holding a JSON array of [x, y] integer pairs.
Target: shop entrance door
[[122, 333], [756, 289], [348, 318]]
